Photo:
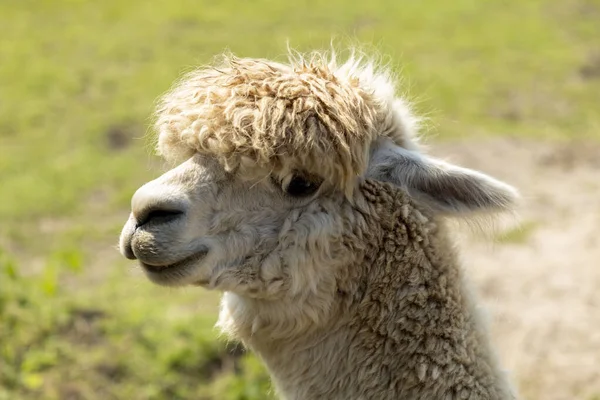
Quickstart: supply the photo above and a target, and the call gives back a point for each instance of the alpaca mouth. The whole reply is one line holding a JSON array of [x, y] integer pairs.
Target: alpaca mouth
[[177, 273]]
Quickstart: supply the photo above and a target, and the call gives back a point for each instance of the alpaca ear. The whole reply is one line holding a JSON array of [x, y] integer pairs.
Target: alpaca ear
[[445, 188]]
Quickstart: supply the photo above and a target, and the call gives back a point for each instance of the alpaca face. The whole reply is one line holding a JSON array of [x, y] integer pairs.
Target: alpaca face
[[271, 235], [252, 232], [271, 158]]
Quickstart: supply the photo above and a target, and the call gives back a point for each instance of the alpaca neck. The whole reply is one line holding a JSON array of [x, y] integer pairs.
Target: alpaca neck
[[406, 328], [418, 347]]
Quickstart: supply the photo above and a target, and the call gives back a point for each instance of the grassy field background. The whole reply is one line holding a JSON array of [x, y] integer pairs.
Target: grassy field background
[[78, 81]]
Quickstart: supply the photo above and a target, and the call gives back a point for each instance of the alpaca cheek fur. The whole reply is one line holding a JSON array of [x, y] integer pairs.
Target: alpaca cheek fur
[[293, 262], [313, 257], [316, 253]]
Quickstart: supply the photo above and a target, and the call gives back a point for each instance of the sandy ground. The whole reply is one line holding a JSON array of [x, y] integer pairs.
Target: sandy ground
[[542, 287]]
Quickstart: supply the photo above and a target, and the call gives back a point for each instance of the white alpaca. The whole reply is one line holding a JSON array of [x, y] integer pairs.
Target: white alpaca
[[303, 195]]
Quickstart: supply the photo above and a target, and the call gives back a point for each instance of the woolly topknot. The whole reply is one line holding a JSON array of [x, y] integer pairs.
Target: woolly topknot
[[313, 115]]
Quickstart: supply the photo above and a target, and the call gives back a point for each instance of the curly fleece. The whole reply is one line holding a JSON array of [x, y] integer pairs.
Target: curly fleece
[[316, 114], [401, 324]]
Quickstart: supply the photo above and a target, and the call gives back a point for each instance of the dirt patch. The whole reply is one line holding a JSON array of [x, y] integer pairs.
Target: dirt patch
[[364, 22], [591, 69], [527, 103], [82, 327], [119, 137], [542, 289]]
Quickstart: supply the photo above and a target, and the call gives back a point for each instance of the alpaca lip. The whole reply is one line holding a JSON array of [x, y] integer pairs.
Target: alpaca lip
[[162, 269]]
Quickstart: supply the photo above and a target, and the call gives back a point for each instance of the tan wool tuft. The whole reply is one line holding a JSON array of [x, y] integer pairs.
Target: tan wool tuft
[[312, 115]]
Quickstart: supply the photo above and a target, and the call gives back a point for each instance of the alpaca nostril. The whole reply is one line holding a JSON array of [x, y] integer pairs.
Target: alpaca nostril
[[160, 216], [157, 203]]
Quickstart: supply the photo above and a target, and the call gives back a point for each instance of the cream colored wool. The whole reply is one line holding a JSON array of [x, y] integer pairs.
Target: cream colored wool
[[312, 114], [350, 292], [401, 324]]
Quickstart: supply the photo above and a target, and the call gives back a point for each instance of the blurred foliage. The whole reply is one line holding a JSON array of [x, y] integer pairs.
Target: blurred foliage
[[78, 80], [58, 345]]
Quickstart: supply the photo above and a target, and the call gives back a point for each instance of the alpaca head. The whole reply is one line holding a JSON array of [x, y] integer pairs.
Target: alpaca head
[[270, 157]]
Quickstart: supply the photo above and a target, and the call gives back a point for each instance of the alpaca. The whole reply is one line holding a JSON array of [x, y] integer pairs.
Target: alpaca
[[304, 195]]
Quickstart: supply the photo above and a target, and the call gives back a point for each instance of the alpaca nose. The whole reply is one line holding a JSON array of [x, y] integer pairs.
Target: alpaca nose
[[156, 205]]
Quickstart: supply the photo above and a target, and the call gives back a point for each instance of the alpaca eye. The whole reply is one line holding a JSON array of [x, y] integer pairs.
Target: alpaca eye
[[300, 186]]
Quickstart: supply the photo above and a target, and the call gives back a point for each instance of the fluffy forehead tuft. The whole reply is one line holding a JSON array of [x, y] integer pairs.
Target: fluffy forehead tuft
[[313, 114]]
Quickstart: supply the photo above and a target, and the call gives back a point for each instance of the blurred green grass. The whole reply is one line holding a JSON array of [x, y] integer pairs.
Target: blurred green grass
[[78, 80]]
